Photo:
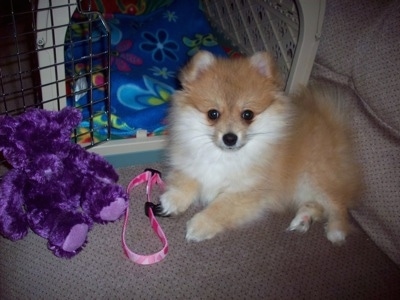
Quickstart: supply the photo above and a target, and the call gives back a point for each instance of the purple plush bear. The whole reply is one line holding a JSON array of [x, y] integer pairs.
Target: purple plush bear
[[55, 187]]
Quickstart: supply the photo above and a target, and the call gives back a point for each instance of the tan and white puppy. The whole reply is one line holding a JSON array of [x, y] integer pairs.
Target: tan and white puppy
[[242, 148]]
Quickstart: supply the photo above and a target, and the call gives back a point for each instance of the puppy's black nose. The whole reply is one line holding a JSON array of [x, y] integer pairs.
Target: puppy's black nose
[[230, 139]]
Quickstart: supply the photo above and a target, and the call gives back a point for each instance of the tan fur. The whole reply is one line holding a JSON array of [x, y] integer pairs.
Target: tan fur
[[301, 145]]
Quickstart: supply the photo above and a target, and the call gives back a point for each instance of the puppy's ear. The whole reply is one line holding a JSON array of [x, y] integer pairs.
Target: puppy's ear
[[197, 65], [265, 64]]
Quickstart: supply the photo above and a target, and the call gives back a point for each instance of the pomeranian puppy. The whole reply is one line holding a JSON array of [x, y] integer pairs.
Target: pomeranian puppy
[[241, 147]]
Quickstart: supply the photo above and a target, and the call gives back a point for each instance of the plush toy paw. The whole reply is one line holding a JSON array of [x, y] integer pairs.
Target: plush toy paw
[[113, 211], [105, 202], [69, 236]]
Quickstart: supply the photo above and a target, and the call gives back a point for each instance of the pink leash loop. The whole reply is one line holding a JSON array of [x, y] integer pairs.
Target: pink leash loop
[[151, 177]]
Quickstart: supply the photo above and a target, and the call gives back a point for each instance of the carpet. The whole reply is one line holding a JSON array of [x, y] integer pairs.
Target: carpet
[[259, 261]]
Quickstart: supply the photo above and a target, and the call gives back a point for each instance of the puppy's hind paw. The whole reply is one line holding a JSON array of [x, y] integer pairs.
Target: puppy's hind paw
[[301, 223], [337, 237]]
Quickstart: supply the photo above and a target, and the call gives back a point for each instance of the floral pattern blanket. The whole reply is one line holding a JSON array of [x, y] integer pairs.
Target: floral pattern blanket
[[149, 44]]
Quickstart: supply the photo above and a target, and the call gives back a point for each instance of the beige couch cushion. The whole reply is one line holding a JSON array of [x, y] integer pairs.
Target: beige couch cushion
[[359, 49], [376, 68]]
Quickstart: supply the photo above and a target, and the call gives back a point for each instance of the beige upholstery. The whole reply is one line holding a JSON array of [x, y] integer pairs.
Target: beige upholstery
[[359, 49]]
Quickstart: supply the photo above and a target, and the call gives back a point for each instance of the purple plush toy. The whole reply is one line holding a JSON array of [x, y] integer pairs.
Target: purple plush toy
[[55, 187]]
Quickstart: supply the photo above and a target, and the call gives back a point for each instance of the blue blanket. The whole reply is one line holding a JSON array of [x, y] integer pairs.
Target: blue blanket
[[147, 52]]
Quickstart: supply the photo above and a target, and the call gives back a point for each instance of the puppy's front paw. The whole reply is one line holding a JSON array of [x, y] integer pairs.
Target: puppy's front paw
[[201, 227], [174, 202]]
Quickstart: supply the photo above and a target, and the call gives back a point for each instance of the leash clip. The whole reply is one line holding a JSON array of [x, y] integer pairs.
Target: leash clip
[[156, 208], [153, 171]]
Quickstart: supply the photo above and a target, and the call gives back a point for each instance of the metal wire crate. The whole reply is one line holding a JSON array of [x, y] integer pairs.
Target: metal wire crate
[[33, 64]]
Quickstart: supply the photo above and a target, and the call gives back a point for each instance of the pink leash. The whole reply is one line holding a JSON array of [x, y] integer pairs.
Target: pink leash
[[152, 177]]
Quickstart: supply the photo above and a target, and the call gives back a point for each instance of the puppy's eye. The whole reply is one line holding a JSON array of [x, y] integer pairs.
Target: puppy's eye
[[213, 114], [247, 115]]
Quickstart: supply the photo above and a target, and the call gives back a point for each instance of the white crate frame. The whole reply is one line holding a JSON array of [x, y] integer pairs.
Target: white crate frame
[[310, 19], [278, 26]]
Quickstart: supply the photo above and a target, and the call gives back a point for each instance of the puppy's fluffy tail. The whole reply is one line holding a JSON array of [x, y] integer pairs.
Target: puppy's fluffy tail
[[324, 99]]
